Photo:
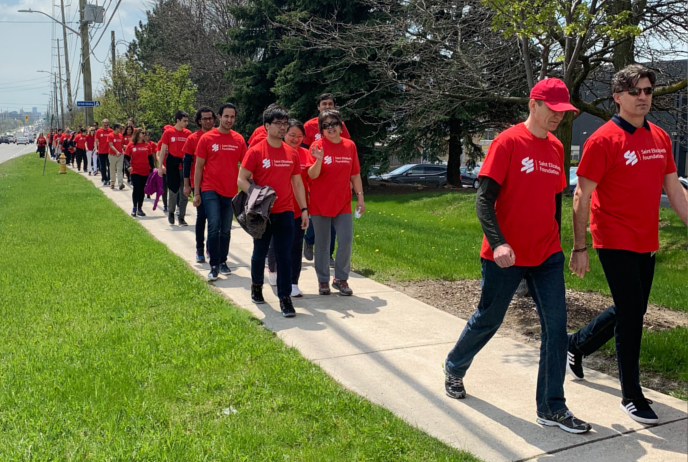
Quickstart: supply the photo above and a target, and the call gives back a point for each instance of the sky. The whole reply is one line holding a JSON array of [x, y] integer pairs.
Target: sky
[[27, 45]]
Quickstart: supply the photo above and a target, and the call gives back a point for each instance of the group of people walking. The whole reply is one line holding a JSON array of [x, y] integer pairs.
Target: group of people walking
[[313, 168]]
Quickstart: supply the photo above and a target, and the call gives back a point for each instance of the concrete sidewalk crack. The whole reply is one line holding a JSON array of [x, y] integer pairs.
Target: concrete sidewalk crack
[[606, 438], [383, 350]]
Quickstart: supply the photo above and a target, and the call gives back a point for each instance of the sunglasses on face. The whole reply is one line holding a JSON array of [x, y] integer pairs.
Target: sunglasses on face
[[333, 124], [207, 119], [636, 91]]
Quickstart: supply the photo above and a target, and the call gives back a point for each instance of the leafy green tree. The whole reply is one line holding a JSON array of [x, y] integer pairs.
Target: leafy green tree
[[164, 93], [120, 98]]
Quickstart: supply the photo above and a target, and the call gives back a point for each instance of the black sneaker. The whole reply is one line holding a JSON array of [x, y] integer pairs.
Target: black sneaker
[[212, 275], [453, 385], [121, 187], [224, 269], [182, 222], [170, 218], [287, 307], [257, 294], [308, 252], [133, 213], [639, 410], [164, 208], [566, 421], [200, 258], [574, 365]]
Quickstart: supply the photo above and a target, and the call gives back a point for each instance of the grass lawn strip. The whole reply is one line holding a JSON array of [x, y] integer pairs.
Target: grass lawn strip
[[113, 349]]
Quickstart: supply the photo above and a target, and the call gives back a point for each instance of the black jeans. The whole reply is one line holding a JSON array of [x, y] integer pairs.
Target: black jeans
[[137, 194], [174, 183], [164, 190], [629, 275], [296, 249], [280, 230], [219, 212], [201, 218], [81, 157], [104, 164]]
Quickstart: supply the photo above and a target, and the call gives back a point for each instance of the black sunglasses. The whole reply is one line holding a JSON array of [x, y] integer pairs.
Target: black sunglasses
[[636, 91], [333, 124]]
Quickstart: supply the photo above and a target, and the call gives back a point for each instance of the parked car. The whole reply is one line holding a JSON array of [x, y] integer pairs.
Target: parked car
[[373, 173], [573, 179], [423, 174], [664, 201], [22, 140], [469, 176]]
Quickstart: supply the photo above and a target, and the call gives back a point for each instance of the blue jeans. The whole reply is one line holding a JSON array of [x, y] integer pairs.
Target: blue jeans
[[546, 285], [280, 230], [218, 210], [309, 237]]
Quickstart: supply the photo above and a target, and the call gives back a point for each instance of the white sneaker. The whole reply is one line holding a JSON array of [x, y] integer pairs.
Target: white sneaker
[[272, 278], [295, 291]]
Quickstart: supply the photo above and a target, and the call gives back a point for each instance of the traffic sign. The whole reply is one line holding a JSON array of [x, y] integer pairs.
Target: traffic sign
[[88, 103]]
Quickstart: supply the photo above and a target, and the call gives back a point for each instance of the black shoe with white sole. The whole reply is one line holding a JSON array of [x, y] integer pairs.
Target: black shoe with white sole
[[287, 307], [639, 410], [257, 294], [212, 275], [224, 269], [566, 421], [453, 385], [574, 365]]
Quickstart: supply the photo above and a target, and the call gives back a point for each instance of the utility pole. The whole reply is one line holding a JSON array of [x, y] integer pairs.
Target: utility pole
[[57, 113], [66, 56], [86, 63], [59, 71], [112, 50]]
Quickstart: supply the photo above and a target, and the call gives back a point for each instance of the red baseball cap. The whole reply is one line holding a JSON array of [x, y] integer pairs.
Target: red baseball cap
[[554, 94]]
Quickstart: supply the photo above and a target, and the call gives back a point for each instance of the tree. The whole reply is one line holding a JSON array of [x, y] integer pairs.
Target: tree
[[120, 98], [164, 93]]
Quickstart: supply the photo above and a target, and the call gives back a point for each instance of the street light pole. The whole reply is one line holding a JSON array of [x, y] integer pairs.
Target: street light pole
[[59, 70], [86, 63], [66, 56]]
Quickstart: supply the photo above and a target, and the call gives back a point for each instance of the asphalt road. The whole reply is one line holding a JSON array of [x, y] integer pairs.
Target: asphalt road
[[10, 151]]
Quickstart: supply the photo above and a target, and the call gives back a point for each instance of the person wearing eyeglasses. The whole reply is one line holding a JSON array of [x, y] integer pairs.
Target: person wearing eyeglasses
[[335, 169], [624, 166]]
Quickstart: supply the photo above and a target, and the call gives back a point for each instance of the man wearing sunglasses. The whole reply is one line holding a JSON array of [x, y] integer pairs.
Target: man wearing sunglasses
[[625, 164]]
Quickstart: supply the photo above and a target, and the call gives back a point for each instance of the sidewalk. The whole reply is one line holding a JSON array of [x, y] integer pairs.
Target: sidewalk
[[389, 348]]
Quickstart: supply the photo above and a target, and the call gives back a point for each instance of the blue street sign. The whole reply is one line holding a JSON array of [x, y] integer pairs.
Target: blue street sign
[[88, 103]]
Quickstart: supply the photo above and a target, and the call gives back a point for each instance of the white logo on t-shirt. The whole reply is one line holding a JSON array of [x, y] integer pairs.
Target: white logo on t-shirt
[[266, 163], [631, 158], [528, 165], [328, 160], [172, 139], [318, 136], [216, 147]]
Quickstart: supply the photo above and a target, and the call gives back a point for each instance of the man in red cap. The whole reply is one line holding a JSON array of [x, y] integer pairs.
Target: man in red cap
[[624, 167], [519, 207]]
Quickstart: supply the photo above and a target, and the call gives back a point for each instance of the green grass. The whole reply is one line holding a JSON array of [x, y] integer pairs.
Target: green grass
[[113, 349], [437, 236]]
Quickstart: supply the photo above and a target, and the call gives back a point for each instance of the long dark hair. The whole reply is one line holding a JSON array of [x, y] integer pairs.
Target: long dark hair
[[127, 128], [138, 133]]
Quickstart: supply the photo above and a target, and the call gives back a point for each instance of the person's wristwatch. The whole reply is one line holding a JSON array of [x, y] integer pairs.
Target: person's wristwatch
[[305, 209]]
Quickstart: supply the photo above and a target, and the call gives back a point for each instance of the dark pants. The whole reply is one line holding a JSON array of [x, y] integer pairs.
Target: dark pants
[[218, 210], [546, 285], [104, 164], [41, 151], [280, 230], [164, 190], [309, 237], [70, 157], [174, 183], [137, 194], [201, 218], [629, 275], [296, 249], [81, 157], [52, 151]]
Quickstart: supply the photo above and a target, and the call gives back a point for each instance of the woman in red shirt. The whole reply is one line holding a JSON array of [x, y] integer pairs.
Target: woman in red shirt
[[335, 168], [138, 163], [80, 142], [91, 160], [41, 142], [126, 139]]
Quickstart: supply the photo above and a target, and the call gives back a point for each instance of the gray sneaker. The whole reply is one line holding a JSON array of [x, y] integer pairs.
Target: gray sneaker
[[308, 252], [566, 421]]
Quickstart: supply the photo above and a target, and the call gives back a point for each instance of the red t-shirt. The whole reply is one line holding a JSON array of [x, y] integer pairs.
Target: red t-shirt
[[41, 141], [330, 193], [306, 160], [63, 138], [175, 139], [153, 147], [80, 141], [102, 136], [116, 140], [274, 167], [127, 140], [222, 154], [139, 158], [259, 134], [190, 148], [312, 133], [629, 169], [90, 141], [530, 171]]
